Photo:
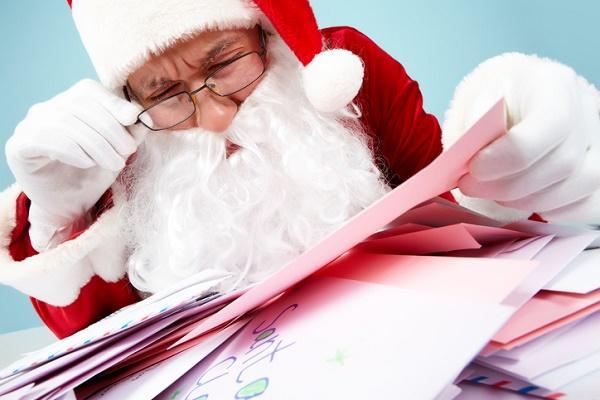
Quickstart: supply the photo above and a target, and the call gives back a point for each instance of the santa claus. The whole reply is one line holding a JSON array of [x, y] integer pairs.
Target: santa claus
[[233, 134]]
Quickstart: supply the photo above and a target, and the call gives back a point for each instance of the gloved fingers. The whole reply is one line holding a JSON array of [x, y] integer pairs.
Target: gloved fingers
[[554, 167], [94, 145], [23, 145], [43, 226], [32, 155], [70, 153], [586, 210], [581, 184], [138, 132], [48, 218], [524, 144], [106, 126], [66, 139], [125, 112]]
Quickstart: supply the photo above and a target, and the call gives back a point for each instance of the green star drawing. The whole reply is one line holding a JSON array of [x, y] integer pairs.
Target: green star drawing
[[340, 357]]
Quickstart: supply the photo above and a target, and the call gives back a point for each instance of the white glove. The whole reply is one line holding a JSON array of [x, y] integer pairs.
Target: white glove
[[67, 152], [549, 161]]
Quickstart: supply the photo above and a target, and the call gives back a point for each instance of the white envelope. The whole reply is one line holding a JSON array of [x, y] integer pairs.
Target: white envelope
[[582, 275]]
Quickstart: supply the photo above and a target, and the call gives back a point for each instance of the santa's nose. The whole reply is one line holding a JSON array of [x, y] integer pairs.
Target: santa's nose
[[214, 113]]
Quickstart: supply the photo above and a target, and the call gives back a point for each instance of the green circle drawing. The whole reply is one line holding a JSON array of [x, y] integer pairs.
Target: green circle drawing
[[253, 389], [264, 335]]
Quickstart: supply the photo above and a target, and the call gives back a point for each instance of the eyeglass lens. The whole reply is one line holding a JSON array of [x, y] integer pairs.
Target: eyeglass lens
[[226, 81]]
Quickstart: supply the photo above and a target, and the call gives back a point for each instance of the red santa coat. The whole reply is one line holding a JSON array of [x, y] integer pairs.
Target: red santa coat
[[76, 284]]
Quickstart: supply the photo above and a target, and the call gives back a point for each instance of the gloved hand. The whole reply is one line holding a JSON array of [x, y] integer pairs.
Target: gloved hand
[[67, 152], [549, 161]]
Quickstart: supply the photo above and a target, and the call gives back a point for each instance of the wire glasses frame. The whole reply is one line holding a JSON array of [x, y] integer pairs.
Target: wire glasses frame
[[184, 103]]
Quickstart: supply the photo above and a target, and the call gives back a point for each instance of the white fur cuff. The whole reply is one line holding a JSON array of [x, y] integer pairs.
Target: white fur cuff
[[57, 275]]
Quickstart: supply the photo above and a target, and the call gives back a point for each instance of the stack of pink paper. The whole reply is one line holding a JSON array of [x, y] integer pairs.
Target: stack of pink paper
[[549, 346], [413, 298]]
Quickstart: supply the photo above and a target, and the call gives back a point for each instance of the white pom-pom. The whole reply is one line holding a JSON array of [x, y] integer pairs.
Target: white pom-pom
[[332, 79]]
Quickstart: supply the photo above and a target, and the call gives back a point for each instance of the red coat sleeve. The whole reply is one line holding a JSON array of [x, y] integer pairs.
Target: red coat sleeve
[[405, 138], [97, 298]]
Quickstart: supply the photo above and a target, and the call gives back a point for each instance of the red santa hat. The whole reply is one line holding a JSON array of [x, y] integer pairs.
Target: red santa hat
[[120, 35]]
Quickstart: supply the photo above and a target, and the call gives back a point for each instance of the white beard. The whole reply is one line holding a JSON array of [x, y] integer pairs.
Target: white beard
[[298, 175]]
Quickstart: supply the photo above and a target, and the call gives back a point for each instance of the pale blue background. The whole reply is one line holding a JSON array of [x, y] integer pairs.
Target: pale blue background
[[438, 42]]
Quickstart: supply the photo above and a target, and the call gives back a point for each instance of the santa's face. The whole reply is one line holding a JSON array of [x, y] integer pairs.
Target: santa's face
[[218, 70], [297, 176]]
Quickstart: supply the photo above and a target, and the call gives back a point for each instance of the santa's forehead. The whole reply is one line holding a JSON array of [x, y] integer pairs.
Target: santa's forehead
[[193, 54]]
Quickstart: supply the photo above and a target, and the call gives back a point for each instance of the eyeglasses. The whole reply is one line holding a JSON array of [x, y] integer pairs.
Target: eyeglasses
[[230, 78]]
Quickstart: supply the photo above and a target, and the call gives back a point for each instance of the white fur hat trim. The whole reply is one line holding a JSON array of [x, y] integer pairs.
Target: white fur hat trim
[[120, 35]]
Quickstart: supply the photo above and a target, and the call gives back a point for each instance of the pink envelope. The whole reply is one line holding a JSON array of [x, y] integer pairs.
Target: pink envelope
[[487, 235], [485, 252], [438, 177], [435, 240], [438, 240], [576, 344], [474, 279], [543, 309], [441, 212], [559, 323], [398, 230]]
